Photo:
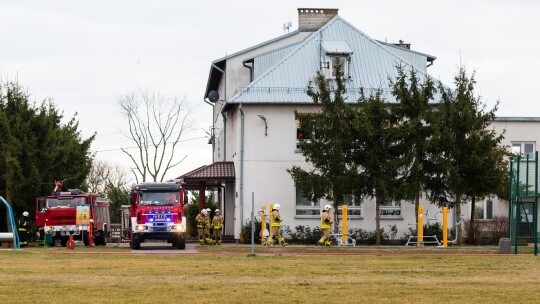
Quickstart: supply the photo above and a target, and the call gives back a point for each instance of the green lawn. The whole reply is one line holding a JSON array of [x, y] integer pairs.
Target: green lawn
[[227, 274]]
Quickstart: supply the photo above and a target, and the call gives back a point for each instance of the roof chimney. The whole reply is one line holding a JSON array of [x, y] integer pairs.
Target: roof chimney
[[312, 19], [403, 44]]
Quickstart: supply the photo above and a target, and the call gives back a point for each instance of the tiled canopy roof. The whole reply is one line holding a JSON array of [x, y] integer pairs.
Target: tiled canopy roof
[[218, 171]]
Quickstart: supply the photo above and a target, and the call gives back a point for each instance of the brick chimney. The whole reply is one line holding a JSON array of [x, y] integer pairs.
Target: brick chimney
[[312, 19]]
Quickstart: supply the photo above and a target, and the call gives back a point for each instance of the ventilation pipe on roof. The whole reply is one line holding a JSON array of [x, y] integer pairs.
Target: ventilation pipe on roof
[[249, 67]]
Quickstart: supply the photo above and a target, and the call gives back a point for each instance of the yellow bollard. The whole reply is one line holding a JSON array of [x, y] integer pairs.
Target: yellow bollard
[[263, 224], [420, 226], [344, 224], [445, 226]]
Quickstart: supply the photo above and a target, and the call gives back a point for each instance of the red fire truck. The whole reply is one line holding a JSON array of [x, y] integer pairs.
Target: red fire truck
[[157, 213], [72, 212]]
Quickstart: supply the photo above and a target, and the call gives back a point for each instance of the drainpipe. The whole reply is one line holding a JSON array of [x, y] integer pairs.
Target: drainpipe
[[224, 136], [241, 167], [224, 99], [249, 67], [212, 132]]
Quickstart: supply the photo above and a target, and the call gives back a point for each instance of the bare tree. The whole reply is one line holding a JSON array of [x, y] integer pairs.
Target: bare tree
[[104, 175], [98, 176], [156, 125]]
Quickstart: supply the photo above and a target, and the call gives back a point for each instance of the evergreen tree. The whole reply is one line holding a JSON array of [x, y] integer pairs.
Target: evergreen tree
[[36, 148], [328, 148], [470, 157], [415, 115], [378, 153]]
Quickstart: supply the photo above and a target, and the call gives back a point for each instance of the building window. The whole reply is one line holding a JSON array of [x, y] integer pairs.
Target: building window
[[524, 148], [390, 209], [330, 66], [301, 135], [305, 207], [354, 206], [483, 210]]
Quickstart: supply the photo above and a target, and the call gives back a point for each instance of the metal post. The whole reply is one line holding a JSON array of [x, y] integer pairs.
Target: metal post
[[535, 207], [420, 226], [344, 224], [445, 226], [516, 209], [252, 223], [263, 224], [510, 199]]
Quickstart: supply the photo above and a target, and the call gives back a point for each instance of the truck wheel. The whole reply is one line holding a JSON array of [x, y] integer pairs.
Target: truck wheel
[[97, 241], [63, 241], [104, 236], [85, 238], [180, 243], [136, 243]]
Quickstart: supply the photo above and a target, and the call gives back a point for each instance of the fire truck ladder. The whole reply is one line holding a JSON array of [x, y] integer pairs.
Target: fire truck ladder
[[13, 236]]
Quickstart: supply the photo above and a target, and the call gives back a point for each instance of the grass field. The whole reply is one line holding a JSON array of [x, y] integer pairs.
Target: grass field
[[275, 275]]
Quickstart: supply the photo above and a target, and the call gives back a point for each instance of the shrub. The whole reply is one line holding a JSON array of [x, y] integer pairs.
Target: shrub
[[473, 235], [246, 232], [498, 227], [304, 235], [365, 237]]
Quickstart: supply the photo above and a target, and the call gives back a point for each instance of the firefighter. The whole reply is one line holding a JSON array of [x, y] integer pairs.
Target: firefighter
[[208, 236], [217, 223], [24, 228], [326, 225], [202, 224], [275, 227]]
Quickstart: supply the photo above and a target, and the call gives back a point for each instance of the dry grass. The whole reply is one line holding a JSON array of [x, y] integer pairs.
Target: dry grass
[[37, 276]]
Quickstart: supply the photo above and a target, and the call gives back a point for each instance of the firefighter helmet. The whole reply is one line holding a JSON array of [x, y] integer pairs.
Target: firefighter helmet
[[276, 206], [204, 212], [327, 207], [25, 213], [216, 211]]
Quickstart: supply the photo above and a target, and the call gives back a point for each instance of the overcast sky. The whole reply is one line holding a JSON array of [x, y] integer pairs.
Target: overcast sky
[[85, 54]]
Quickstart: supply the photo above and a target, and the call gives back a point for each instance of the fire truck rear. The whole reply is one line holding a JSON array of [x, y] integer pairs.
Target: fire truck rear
[[157, 213], [72, 212]]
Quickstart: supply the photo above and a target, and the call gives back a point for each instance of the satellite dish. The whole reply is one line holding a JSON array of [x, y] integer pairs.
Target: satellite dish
[[213, 96]]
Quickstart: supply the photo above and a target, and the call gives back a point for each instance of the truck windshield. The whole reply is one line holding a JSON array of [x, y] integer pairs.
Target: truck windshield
[[65, 202], [161, 198]]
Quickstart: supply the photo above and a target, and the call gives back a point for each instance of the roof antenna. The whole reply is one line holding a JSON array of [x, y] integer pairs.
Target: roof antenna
[[287, 26]]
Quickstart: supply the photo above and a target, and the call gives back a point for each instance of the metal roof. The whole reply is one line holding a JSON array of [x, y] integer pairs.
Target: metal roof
[[214, 75], [336, 47], [371, 66]]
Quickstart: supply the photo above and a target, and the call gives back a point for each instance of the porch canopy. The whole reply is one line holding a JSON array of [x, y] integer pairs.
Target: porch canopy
[[211, 176]]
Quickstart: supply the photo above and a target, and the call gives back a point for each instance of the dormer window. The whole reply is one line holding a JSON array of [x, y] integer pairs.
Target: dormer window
[[335, 53]]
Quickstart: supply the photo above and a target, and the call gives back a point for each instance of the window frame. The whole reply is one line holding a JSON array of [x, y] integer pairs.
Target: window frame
[[353, 204], [392, 207], [487, 211], [315, 206], [521, 145], [328, 66]]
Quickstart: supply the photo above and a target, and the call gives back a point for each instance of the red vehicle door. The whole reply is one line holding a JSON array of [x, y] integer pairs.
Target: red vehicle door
[[41, 203]]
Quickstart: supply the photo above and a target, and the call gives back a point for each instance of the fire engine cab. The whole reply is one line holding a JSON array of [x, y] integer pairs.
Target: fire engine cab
[[157, 213]]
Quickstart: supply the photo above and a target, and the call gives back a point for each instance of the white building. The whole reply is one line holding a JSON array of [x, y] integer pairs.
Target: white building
[[254, 94]]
